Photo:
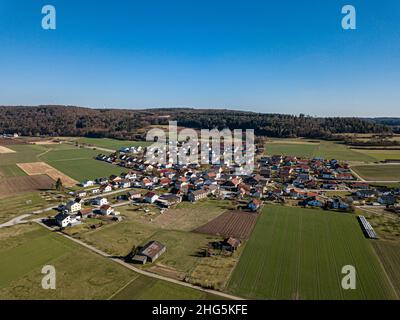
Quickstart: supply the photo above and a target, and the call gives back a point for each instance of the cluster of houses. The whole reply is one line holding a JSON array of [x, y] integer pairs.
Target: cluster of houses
[[275, 178]]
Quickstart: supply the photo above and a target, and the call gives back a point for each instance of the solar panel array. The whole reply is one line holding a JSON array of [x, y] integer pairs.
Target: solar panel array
[[367, 228]]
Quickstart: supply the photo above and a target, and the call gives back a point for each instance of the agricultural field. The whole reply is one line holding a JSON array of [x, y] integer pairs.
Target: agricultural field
[[112, 144], [236, 224], [316, 148], [296, 253], [380, 155], [81, 274], [383, 172], [17, 185], [389, 254]]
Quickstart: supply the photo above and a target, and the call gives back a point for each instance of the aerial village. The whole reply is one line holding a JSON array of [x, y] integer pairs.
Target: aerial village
[[324, 184]]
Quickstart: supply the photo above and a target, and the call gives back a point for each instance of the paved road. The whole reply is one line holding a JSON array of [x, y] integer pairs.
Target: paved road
[[140, 271]]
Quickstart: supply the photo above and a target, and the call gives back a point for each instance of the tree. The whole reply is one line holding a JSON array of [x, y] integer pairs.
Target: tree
[[59, 185]]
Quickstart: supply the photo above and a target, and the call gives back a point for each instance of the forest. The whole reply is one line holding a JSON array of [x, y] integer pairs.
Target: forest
[[129, 123]]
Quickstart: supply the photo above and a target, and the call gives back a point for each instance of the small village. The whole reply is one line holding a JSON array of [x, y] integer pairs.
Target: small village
[[287, 180]]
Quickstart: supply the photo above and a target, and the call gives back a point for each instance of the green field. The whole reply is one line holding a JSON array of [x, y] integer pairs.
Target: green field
[[389, 253], [111, 144], [80, 273], [384, 172], [298, 253], [324, 149], [380, 155]]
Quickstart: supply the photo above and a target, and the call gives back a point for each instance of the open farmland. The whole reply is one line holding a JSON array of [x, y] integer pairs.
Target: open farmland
[[324, 149], [112, 144], [383, 172], [4, 150], [81, 274], [236, 224], [296, 253], [381, 154], [41, 168], [16, 185], [389, 254]]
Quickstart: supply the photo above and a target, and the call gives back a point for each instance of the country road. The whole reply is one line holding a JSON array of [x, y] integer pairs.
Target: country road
[[137, 270]]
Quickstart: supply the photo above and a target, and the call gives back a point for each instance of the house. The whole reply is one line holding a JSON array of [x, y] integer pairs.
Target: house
[[106, 209], [197, 195], [169, 199], [150, 197], [152, 250], [95, 191], [65, 220], [73, 206], [312, 202], [80, 194], [254, 204], [387, 200], [99, 201], [365, 194], [87, 183], [132, 195], [106, 188], [337, 204], [84, 213], [125, 183]]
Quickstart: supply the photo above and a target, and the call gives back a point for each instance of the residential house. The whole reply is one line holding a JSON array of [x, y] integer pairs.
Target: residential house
[[106, 209], [197, 195], [150, 197], [73, 206], [65, 220], [254, 204], [99, 201]]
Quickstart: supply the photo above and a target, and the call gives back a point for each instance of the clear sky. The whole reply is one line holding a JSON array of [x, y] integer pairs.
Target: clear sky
[[266, 56]]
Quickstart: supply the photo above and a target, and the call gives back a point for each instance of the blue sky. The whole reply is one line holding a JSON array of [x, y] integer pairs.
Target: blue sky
[[266, 56]]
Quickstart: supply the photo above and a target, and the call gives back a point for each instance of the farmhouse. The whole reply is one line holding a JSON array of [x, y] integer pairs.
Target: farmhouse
[[73, 206], [106, 188]]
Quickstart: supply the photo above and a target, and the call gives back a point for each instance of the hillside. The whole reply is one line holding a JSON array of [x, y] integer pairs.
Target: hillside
[[119, 123]]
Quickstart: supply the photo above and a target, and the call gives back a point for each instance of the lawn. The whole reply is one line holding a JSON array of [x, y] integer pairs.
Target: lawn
[[111, 144], [80, 273], [383, 172], [297, 253]]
